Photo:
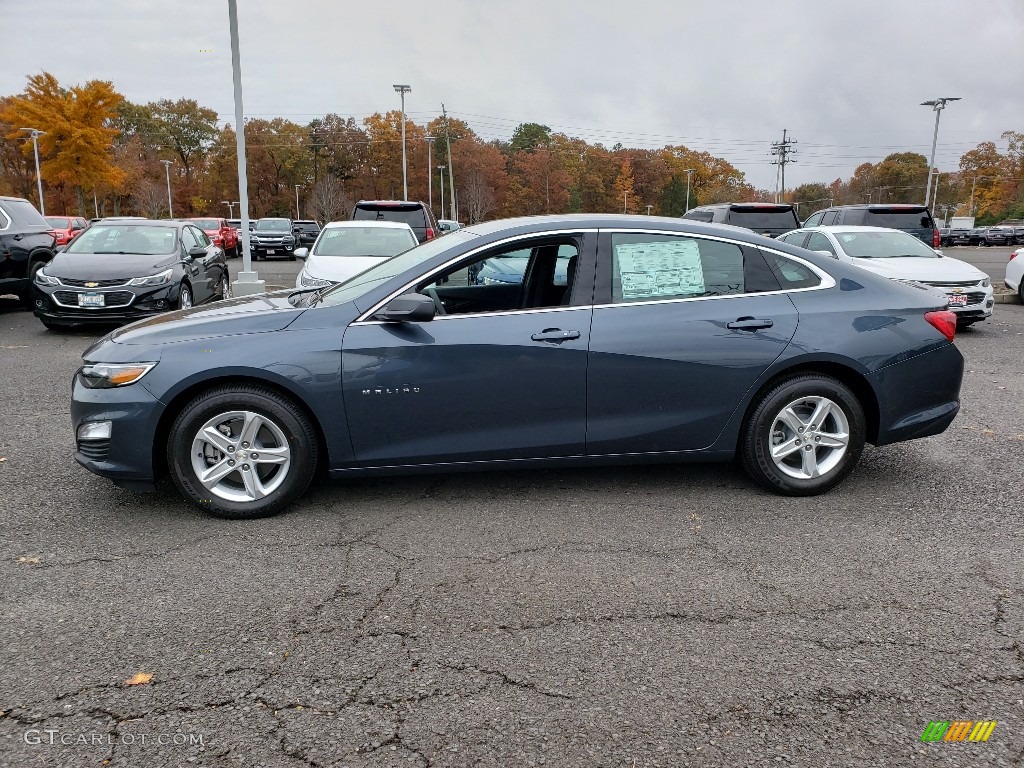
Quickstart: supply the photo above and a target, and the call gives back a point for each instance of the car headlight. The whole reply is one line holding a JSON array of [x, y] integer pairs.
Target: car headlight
[[306, 280], [42, 278], [159, 279], [109, 375], [986, 283]]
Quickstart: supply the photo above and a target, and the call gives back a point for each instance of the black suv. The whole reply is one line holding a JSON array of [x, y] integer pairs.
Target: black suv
[[27, 243], [306, 232], [416, 215], [915, 219], [271, 237], [770, 219], [957, 236]]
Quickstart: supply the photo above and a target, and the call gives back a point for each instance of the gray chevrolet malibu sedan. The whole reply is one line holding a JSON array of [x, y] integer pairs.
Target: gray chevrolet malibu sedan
[[627, 339]]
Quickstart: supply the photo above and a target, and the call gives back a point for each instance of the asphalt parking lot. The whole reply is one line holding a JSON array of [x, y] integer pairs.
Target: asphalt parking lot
[[645, 616]]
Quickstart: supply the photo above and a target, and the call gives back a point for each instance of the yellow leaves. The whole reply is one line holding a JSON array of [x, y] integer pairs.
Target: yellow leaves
[[139, 678]]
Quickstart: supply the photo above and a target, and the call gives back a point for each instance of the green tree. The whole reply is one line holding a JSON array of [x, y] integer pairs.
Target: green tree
[[528, 136]]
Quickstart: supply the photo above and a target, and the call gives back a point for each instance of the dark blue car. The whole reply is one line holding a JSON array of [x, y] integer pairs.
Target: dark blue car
[[662, 340]]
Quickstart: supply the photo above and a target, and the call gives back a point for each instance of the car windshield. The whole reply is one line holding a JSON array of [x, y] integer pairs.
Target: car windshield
[[126, 238], [369, 279], [264, 225], [883, 245], [58, 222], [207, 223], [364, 241]]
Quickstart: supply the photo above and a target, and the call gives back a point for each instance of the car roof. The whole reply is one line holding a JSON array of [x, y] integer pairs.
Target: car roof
[[368, 223], [855, 228], [135, 222]]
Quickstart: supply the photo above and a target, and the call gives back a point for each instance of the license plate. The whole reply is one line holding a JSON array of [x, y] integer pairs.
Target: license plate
[[270, 251], [90, 300], [958, 300]]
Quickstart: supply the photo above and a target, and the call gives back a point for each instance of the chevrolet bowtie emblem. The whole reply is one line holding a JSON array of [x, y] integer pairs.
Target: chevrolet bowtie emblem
[[91, 285]]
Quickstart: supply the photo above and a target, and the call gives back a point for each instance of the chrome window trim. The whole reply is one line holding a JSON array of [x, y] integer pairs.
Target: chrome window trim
[[827, 281], [3, 213], [363, 318], [106, 306]]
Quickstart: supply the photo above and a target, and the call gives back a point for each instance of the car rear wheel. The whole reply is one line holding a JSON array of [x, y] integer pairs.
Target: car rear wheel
[[804, 435], [242, 452]]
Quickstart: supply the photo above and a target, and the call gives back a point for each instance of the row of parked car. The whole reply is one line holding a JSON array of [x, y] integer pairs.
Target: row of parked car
[[984, 236]]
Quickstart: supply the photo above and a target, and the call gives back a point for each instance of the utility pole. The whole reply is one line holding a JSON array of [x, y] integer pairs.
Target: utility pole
[[170, 207], [782, 151], [402, 90], [441, 169], [689, 173], [451, 168], [36, 133], [297, 214], [430, 171]]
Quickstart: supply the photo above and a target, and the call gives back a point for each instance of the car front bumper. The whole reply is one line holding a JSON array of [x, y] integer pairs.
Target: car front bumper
[[146, 302], [127, 456]]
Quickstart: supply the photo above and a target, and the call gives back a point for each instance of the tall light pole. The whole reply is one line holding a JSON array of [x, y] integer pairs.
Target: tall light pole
[[297, 214], [441, 169], [430, 172], [689, 173], [402, 90], [247, 281], [938, 105], [170, 207], [36, 133], [648, 207], [231, 207]]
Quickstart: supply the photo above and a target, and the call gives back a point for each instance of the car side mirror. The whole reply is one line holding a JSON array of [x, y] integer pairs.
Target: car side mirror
[[301, 253], [198, 252], [409, 307]]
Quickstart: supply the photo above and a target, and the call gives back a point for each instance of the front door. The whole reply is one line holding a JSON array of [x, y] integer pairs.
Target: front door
[[500, 373]]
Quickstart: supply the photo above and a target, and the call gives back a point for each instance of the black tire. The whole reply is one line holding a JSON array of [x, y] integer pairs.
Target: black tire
[[757, 435], [286, 416], [224, 288], [185, 290], [291, 256]]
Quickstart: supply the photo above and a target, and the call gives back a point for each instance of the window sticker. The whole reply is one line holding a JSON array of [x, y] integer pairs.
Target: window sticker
[[654, 270]]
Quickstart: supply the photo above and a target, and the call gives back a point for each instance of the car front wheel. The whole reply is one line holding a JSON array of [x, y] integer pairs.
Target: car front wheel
[[242, 452], [804, 435]]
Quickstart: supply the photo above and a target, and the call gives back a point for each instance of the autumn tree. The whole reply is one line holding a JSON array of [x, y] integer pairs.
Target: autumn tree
[[184, 128], [75, 149]]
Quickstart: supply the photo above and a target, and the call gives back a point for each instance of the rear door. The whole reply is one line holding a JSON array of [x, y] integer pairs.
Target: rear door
[[683, 327]]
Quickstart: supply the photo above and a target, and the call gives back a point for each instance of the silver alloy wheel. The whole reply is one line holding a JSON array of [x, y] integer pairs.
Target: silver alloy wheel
[[186, 297], [241, 456], [809, 437]]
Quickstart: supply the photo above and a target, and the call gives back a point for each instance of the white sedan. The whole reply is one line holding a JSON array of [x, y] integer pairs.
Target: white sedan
[[901, 256], [346, 248], [1015, 272]]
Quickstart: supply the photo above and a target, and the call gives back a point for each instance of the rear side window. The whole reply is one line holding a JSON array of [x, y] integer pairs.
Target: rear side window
[[791, 274], [414, 216], [25, 213], [653, 267]]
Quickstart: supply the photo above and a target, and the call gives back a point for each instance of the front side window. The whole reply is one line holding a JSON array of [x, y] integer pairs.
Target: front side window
[[515, 277], [814, 219], [653, 267], [818, 242], [200, 237], [188, 239], [794, 238]]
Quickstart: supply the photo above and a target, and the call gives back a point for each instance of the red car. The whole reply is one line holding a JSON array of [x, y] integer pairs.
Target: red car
[[221, 233], [66, 227]]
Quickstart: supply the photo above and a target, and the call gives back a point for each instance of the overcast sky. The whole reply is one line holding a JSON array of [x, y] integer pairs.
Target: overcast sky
[[725, 77]]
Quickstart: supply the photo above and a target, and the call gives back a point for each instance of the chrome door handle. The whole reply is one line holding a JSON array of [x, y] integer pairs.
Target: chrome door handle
[[555, 334], [749, 324]]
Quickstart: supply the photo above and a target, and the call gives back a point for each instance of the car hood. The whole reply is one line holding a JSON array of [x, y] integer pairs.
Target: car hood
[[922, 269], [338, 268], [274, 232], [108, 266], [245, 314]]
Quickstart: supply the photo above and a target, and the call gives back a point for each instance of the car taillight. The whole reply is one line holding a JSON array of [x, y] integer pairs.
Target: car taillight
[[1013, 255], [943, 321], [936, 238], [430, 233]]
